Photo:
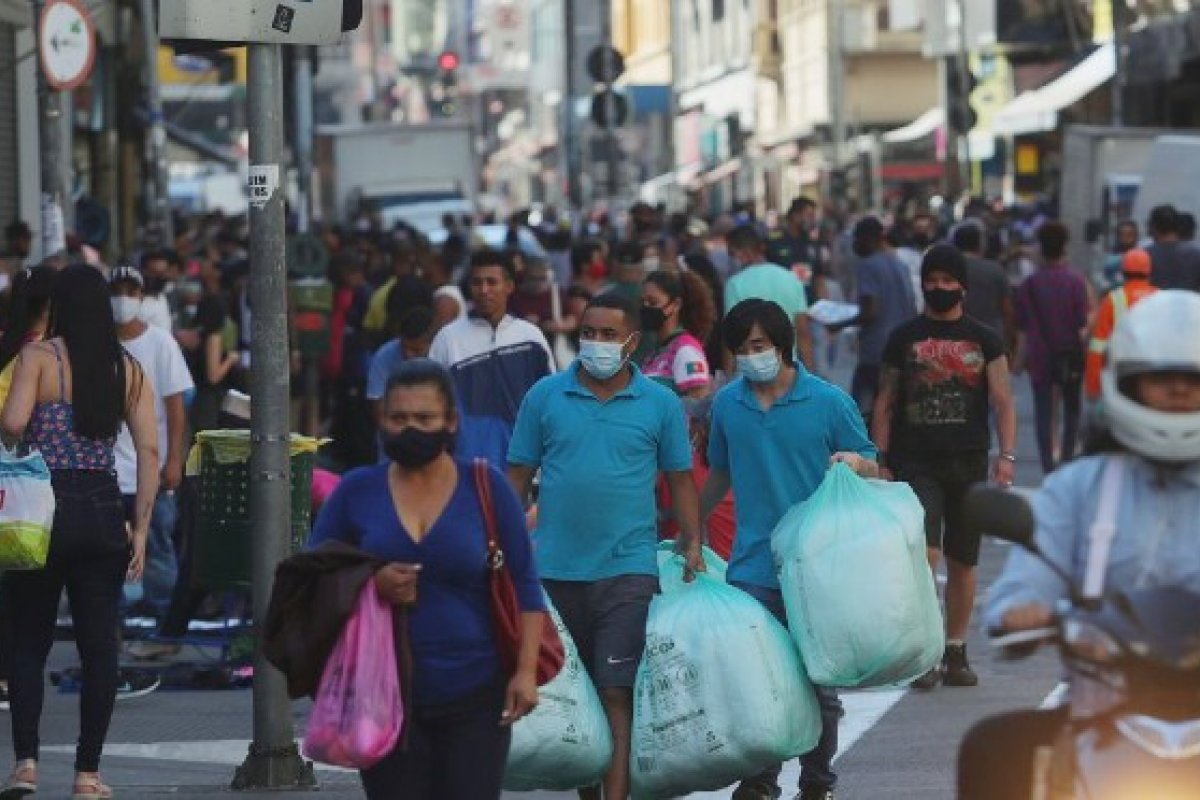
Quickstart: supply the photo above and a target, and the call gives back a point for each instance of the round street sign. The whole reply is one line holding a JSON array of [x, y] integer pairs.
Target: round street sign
[[307, 256], [66, 44]]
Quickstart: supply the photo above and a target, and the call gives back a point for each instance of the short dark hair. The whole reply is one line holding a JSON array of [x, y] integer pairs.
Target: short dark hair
[[424, 372], [583, 253], [407, 293], [155, 255], [870, 228], [1052, 237], [617, 301], [416, 323], [493, 258], [968, 237], [18, 229], [1187, 226], [744, 237], [629, 253], [801, 203], [1163, 220], [768, 315]]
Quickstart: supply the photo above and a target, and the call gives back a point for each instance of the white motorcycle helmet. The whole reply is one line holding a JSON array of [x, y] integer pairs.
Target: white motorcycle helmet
[[1160, 334]]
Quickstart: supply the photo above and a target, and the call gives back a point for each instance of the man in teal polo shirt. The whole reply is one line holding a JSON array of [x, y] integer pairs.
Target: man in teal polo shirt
[[601, 432], [760, 279], [775, 432]]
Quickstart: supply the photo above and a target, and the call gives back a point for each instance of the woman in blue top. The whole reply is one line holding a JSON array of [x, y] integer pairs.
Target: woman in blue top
[[421, 513]]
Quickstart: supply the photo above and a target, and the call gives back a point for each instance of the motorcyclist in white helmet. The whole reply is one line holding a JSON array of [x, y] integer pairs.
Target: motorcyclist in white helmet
[[1151, 406]]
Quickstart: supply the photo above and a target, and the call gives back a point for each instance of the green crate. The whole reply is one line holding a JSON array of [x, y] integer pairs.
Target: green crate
[[222, 550]]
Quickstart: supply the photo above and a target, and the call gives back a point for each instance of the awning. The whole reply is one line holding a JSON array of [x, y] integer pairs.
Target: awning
[[1037, 110], [919, 128]]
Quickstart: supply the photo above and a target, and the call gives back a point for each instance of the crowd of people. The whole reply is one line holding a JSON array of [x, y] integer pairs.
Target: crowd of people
[[665, 377]]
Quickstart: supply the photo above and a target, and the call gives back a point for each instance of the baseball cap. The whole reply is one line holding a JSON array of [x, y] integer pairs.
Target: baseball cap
[[126, 274], [1136, 262]]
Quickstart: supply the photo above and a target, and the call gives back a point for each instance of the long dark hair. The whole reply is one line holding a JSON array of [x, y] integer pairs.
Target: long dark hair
[[30, 297], [83, 318], [698, 311]]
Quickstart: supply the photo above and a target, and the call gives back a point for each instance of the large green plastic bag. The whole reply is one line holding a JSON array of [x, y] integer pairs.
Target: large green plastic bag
[[861, 600], [670, 566], [720, 693], [565, 742]]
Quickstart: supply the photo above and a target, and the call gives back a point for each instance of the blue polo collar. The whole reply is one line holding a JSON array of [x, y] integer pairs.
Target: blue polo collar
[[635, 387], [802, 389]]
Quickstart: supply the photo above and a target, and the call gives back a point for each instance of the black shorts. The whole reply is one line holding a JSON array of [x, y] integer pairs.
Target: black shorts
[[607, 620], [941, 483]]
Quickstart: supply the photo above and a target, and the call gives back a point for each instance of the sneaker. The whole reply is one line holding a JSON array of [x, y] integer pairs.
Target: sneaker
[[4, 697], [955, 669], [757, 789], [131, 684], [814, 793], [929, 680], [153, 651]]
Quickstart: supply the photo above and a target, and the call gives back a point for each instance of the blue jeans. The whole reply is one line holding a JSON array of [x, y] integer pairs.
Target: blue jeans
[[817, 764], [162, 563]]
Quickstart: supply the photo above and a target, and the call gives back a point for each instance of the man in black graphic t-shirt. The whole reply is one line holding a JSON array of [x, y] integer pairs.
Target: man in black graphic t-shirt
[[941, 372]]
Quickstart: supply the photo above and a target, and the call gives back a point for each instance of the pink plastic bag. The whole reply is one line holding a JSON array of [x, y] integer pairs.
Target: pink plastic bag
[[358, 714]]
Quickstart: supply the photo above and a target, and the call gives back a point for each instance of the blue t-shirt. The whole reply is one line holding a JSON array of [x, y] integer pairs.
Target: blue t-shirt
[[597, 517], [883, 277], [777, 458], [453, 645], [384, 364]]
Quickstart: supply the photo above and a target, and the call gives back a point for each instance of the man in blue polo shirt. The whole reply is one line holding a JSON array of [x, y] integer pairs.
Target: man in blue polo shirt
[[775, 431], [601, 432]]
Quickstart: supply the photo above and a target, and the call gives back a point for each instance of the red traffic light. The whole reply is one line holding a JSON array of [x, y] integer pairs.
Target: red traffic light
[[448, 61]]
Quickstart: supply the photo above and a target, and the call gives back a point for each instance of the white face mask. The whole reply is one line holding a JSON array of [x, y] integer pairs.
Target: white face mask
[[126, 309]]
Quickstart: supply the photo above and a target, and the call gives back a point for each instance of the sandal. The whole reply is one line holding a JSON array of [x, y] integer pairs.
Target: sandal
[[22, 781], [88, 786]]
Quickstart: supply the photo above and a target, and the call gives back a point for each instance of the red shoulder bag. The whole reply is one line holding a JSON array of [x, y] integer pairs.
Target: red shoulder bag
[[506, 611]]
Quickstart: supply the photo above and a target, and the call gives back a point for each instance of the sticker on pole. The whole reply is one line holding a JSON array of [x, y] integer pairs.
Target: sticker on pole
[[262, 184], [66, 44]]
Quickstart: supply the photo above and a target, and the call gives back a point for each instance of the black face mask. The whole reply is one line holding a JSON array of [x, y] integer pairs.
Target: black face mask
[[943, 300], [653, 318], [413, 448], [920, 241]]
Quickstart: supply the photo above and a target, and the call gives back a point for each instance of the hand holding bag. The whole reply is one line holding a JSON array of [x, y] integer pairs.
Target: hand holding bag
[[506, 611]]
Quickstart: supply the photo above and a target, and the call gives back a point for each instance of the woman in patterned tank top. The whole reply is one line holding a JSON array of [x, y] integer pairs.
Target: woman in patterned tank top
[[91, 552]]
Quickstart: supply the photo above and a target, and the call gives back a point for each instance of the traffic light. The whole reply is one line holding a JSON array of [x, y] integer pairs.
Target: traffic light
[[960, 83], [605, 65], [444, 91]]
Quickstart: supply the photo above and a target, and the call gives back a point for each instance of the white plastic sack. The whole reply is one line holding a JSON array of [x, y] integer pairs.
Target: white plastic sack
[[720, 694], [861, 600], [26, 510], [565, 743]]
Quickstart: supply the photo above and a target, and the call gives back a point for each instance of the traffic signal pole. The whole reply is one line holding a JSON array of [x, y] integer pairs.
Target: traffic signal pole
[[157, 180], [274, 761], [53, 233]]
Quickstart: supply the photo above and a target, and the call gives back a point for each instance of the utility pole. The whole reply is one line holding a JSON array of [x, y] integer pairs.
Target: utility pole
[[1118, 81], [157, 179], [837, 80], [610, 111], [568, 146], [964, 80], [273, 762], [53, 228]]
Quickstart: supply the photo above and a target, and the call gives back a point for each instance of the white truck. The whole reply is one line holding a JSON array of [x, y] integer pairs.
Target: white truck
[[1114, 174], [410, 173]]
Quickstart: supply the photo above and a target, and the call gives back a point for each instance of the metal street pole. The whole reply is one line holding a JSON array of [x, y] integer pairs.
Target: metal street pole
[[610, 110], [568, 144], [273, 762], [53, 230], [1118, 81], [964, 78], [156, 179]]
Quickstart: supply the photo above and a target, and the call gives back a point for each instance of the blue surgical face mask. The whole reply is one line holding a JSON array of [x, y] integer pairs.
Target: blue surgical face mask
[[760, 367], [602, 360]]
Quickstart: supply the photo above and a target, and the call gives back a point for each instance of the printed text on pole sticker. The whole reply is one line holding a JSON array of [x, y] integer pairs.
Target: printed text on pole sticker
[[263, 181]]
